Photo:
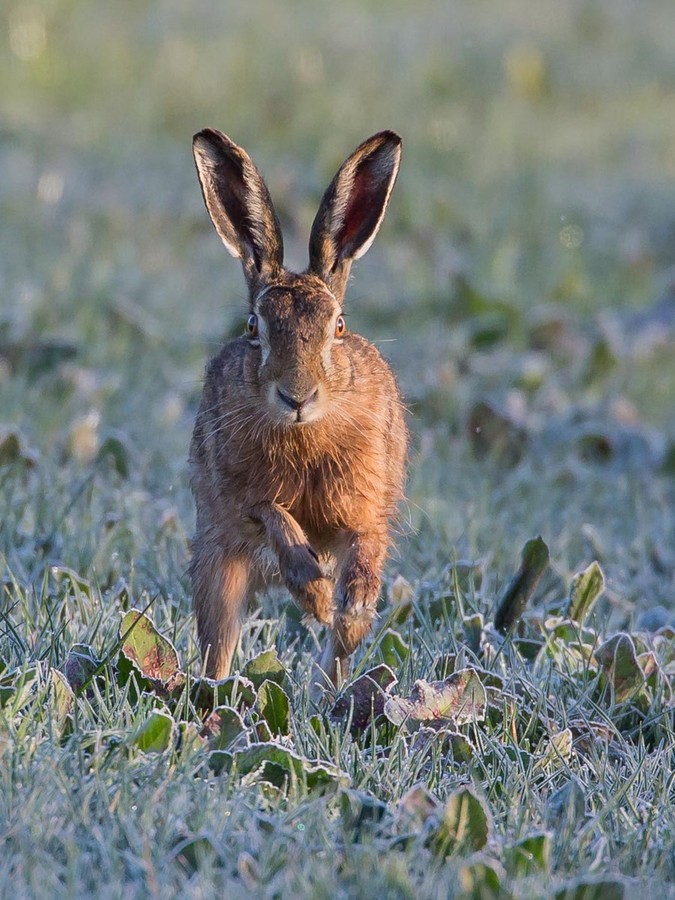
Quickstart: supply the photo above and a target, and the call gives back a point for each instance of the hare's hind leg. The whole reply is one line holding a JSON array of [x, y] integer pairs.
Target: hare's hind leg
[[220, 585]]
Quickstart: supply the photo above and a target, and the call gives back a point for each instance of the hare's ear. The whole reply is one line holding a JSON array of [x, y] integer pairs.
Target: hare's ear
[[240, 205], [352, 209]]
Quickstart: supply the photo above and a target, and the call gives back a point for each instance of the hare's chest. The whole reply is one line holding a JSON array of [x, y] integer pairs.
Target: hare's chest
[[318, 496]]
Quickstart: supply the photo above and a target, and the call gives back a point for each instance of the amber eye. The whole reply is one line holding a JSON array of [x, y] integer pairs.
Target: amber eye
[[252, 325], [340, 326]]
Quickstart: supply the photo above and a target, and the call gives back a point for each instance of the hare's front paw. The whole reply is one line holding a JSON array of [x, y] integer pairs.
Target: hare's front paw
[[302, 574], [357, 592]]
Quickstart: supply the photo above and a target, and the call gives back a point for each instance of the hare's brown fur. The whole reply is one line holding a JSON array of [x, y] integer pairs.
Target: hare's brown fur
[[299, 446]]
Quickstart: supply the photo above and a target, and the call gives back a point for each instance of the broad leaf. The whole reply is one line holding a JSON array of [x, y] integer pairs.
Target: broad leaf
[[235, 690], [154, 655], [585, 589], [223, 727], [533, 564], [393, 648], [619, 661], [274, 706], [156, 734], [464, 827], [459, 699], [366, 696], [528, 856], [266, 666], [481, 879], [280, 766]]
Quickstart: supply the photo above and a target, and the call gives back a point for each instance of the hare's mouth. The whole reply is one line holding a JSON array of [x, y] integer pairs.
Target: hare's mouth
[[295, 408]]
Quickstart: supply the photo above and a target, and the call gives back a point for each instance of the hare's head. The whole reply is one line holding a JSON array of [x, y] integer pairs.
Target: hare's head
[[296, 325]]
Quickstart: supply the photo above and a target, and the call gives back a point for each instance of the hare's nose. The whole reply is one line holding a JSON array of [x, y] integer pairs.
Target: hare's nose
[[297, 403]]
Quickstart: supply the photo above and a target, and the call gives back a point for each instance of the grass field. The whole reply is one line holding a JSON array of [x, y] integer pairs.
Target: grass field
[[523, 286]]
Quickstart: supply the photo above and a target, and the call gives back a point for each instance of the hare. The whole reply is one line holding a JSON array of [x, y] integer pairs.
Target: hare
[[298, 453]]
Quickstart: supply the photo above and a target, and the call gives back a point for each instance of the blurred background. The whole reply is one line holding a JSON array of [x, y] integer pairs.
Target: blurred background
[[523, 283]]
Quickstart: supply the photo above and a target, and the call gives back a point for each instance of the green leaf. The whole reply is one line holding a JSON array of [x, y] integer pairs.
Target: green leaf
[[618, 659], [153, 655], [481, 879], [266, 666], [416, 806], [464, 827], [365, 698], [223, 727], [393, 648], [585, 589], [473, 631], [533, 564], [274, 706], [14, 449], [459, 699], [529, 855], [592, 889], [156, 734], [235, 690], [281, 767], [116, 448]]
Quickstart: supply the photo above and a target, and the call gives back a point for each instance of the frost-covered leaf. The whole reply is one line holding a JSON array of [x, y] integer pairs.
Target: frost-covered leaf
[[235, 690], [619, 661], [459, 699], [586, 588], [223, 727], [481, 879], [393, 648], [157, 733], [464, 827], [416, 806], [266, 666], [529, 855], [281, 766], [274, 706], [473, 631], [533, 564], [367, 695], [153, 655]]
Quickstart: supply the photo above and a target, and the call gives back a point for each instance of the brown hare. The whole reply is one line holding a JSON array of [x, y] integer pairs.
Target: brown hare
[[298, 452]]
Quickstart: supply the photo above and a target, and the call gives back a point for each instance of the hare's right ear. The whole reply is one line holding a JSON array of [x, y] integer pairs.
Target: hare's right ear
[[352, 209], [240, 205]]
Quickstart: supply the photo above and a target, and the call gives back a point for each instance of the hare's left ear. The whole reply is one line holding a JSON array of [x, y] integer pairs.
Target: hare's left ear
[[352, 209], [240, 206]]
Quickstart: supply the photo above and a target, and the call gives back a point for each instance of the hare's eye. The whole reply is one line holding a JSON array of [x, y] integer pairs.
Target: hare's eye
[[252, 325], [340, 326]]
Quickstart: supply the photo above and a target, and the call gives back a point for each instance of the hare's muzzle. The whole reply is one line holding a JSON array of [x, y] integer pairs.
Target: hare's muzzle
[[296, 405]]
